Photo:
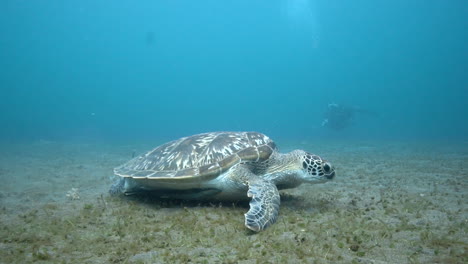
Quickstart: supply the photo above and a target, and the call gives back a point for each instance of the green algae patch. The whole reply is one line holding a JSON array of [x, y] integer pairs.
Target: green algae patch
[[400, 208], [141, 231]]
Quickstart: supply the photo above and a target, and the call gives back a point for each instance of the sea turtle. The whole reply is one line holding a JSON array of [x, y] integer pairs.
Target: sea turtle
[[223, 166]]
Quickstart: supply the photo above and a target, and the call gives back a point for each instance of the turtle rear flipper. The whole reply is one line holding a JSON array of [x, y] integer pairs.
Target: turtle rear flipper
[[264, 206], [117, 187]]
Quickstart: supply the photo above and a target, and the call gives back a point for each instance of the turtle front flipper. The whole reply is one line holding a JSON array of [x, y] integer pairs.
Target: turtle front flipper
[[264, 206]]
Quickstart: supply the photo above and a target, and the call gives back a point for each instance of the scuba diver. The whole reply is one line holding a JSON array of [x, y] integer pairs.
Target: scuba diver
[[338, 117]]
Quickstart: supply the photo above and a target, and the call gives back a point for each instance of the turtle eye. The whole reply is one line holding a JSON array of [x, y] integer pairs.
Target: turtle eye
[[326, 167], [304, 165]]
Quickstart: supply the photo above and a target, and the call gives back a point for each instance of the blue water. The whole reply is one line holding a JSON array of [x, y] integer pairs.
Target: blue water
[[132, 70]]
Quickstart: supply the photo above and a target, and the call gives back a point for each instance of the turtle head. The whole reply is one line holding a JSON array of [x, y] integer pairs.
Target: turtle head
[[316, 169]]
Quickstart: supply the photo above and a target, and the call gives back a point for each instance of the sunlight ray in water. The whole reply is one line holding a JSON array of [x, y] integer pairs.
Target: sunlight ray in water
[[302, 16]]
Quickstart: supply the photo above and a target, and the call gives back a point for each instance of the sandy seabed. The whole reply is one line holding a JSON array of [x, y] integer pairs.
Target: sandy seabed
[[391, 202]]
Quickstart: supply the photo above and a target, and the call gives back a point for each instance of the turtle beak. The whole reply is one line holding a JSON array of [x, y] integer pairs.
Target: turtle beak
[[329, 170]]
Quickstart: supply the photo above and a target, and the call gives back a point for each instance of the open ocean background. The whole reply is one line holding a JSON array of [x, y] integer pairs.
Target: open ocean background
[[142, 70]]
